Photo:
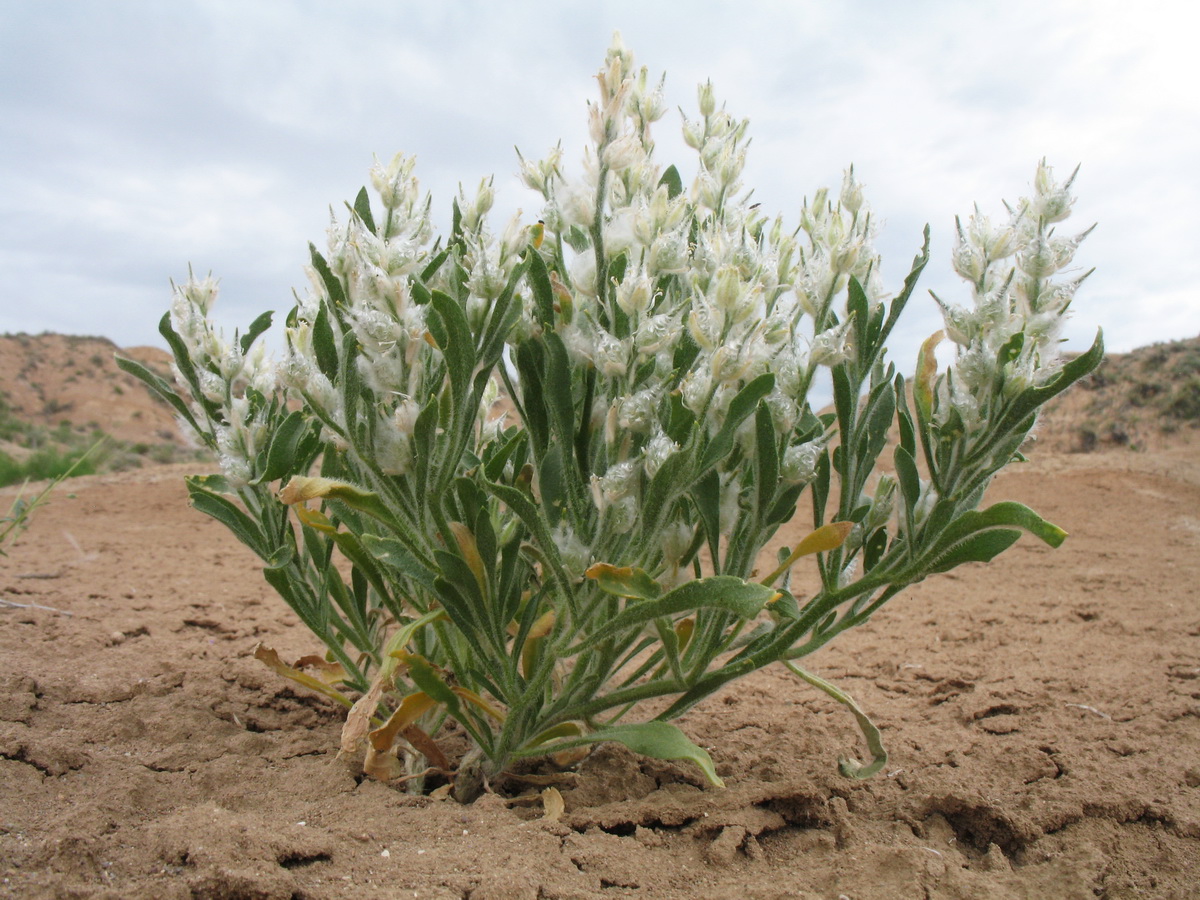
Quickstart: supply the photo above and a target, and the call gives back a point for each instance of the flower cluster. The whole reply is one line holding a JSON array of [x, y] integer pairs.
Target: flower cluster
[[1009, 339], [232, 381]]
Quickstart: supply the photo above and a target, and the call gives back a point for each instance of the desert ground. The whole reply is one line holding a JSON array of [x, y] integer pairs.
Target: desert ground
[[1042, 715]]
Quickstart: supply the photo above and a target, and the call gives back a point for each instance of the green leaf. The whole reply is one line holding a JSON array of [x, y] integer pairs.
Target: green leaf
[[364, 562], [460, 608], [981, 547], [910, 282], [159, 386], [560, 402], [391, 553], [434, 264], [844, 399], [282, 455], [874, 547], [1011, 349], [874, 427], [362, 207], [785, 505], [503, 315], [183, 362], [858, 306], [909, 478], [658, 740], [550, 486], [216, 484], [324, 344], [766, 471], [457, 346], [673, 478], [1007, 513], [530, 360], [908, 435], [851, 768], [706, 495], [543, 293], [426, 677], [673, 182], [617, 267], [528, 514], [353, 390], [740, 408], [496, 459], [336, 295], [257, 327], [457, 572], [820, 488], [228, 514], [455, 222], [421, 294], [744, 599], [1027, 402], [786, 606]]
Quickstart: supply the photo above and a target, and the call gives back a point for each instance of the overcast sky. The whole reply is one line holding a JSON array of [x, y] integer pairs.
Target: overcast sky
[[137, 138]]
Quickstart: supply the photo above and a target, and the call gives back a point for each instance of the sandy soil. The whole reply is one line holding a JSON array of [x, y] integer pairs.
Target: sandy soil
[[1043, 718]]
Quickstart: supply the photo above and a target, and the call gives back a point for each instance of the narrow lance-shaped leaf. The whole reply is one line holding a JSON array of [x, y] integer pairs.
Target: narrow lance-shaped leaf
[[362, 208], [228, 514], [458, 349], [909, 478], [324, 344], [656, 739], [183, 361], [744, 599], [910, 283], [1028, 401], [281, 457], [766, 458], [160, 387], [332, 285], [983, 546], [673, 182], [740, 408], [257, 327], [1007, 513]]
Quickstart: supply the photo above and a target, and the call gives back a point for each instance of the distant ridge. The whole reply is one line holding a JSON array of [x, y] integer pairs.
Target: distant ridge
[[1146, 399], [49, 379]]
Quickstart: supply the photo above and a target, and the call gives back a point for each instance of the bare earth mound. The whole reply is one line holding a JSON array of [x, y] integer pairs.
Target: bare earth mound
[[1043, 717], [48, 379]]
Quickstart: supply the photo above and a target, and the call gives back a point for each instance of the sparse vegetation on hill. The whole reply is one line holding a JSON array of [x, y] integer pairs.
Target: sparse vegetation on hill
[[1145, 399], [61, 394]]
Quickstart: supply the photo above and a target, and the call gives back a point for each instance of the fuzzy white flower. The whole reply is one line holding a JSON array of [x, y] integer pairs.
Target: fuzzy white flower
[[658, 451]]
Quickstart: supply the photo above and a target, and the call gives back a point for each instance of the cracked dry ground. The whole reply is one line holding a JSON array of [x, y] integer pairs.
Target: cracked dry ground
[[1043, 716]]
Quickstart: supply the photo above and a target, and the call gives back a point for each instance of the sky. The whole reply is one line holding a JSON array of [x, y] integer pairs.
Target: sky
[[140, 138]]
